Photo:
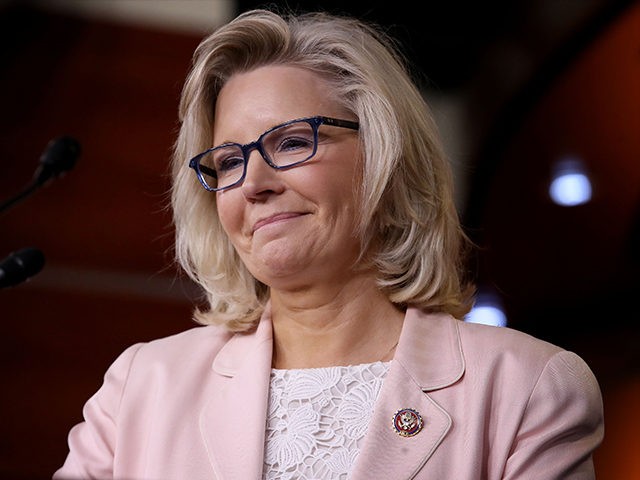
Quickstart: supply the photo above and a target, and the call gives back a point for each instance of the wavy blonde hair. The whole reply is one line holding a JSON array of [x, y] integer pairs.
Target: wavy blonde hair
[[407, 213]]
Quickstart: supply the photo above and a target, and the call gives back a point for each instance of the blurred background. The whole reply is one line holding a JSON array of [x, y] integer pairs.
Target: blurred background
[[539, 107]]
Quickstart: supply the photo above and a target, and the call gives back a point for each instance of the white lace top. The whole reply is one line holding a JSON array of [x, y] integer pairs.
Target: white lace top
[[317, 420]]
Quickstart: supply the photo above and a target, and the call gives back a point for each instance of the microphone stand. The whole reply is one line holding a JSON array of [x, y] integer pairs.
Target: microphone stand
[[18, 198]]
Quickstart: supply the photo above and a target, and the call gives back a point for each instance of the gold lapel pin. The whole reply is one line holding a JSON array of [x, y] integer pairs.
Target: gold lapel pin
[[407, 422]]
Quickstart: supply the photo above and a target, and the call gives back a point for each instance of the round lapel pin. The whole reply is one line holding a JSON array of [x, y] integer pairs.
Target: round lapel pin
[[407, 422]]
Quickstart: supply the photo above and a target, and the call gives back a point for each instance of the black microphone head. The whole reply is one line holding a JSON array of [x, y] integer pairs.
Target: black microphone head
[[20, 265], [59, 156]]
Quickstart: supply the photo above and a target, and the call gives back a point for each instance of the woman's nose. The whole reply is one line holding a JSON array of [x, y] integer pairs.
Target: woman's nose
[[260, 179]]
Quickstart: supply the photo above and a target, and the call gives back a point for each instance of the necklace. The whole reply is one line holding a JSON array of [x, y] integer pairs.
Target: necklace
[[384, 357]]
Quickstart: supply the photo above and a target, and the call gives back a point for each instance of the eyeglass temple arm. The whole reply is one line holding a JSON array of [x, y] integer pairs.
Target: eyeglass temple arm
[[340, 123]]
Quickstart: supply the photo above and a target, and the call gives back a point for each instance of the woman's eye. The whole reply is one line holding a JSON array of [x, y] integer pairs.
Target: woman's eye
[[295, 143], [226, 164]]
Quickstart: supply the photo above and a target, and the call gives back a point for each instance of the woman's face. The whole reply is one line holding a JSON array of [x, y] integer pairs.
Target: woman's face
[[294, 227]]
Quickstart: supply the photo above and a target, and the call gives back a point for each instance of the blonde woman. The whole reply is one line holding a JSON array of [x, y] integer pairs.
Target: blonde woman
[[313, 204]]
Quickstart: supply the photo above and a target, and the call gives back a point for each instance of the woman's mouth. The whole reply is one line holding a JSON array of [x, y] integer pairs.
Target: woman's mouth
[[273, 219]]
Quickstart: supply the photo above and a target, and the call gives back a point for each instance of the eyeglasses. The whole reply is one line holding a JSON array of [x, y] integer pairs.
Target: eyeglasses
[[282, 146]]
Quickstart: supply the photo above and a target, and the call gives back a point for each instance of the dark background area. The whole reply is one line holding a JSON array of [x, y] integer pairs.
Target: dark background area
[[534, 81]]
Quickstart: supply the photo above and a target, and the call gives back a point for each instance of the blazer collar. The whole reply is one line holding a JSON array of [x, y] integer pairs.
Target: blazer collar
[[428, 357], [236, 352], [430, 349], [233, 423]]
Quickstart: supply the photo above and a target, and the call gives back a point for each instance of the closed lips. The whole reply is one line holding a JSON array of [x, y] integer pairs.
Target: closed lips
[[275, 218]]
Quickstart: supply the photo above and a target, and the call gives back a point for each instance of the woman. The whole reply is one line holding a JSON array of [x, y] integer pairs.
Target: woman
[[319, 220]]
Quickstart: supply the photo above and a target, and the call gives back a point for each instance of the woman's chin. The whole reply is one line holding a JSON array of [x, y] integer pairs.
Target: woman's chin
[[277, 261]]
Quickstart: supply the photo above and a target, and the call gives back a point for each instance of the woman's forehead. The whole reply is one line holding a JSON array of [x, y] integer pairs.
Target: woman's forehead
[[259, 99]]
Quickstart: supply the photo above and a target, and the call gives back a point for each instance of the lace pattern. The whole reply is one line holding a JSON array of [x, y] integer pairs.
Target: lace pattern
[[317, 420]]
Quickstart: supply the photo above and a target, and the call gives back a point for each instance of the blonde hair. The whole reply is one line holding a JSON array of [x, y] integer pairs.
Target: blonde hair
[[407, 215]]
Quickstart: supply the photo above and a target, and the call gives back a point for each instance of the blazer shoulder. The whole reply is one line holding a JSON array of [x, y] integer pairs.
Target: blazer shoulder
[[197, 335], [197, 344], [522, 357], [505, 344]]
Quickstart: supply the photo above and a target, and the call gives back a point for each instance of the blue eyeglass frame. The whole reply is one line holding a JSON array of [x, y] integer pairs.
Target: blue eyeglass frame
[[246, 149]]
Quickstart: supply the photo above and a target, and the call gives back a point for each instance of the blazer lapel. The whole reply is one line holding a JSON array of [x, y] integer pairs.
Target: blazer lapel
[[428, 357], [233, 422]]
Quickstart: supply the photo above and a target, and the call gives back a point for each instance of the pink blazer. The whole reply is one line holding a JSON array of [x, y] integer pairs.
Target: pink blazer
[[495, 404]]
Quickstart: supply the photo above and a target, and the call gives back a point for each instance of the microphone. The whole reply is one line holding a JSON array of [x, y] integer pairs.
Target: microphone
[[20, 265], [59, 157]]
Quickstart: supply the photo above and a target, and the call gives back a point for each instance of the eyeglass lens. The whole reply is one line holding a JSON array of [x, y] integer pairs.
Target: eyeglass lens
[[283, 146]]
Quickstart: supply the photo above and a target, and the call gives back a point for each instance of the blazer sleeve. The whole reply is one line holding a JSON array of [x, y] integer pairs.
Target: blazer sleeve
[[92, 442], [562, 424]]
